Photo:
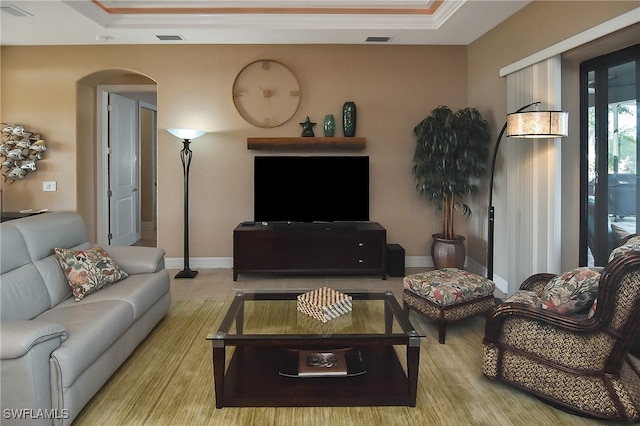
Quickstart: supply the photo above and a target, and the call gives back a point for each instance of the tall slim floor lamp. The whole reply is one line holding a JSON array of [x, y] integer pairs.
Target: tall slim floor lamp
[[523, 124], [185, 155]]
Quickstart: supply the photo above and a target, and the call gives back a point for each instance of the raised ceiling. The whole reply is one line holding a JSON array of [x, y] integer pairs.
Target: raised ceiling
[[412, 22]]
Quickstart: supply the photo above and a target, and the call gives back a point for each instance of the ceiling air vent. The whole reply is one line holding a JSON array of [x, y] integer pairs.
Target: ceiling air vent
[[15, 11], [374, 39], [170, 37]]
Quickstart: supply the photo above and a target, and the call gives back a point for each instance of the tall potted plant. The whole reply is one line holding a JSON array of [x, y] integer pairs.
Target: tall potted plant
[[451, 153]]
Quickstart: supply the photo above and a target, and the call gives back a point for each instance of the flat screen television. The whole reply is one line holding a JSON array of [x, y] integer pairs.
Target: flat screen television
[[311, 189]]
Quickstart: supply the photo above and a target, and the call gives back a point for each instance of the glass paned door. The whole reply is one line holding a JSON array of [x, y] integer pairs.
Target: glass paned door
[[610, 152]]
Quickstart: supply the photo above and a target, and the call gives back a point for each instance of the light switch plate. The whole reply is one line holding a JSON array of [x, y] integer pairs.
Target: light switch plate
[[49, 186]]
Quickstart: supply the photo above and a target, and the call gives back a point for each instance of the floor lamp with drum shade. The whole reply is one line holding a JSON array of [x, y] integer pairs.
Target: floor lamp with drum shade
[[523, 124]]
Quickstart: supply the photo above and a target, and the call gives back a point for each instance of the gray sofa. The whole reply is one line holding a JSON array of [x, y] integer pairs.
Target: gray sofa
[[56, 353]]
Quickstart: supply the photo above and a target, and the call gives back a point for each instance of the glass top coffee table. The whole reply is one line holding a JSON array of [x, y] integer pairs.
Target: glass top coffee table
[[267, 338]]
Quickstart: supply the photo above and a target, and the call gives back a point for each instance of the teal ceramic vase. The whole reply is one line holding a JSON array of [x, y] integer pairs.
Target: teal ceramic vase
[[329, 125], [349, 116]]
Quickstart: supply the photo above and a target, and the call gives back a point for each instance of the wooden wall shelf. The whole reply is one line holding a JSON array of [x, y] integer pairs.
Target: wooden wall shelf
[[354, 143]]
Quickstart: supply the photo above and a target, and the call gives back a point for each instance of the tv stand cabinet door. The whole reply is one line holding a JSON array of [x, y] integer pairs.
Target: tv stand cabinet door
[[260, 251], [362, 250], [284, 251]]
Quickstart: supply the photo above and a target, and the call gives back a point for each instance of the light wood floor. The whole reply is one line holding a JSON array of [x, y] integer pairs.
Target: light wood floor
[[218, 284], [168, 380], [148, 238]]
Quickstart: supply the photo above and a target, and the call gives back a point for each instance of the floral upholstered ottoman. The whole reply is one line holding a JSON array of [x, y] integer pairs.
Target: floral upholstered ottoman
[[447, 295]]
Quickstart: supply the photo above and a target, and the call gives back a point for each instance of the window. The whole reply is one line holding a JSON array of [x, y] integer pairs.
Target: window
[[609, 87]]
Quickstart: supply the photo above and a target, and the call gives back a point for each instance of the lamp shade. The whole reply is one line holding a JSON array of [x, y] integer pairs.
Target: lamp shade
[[538, 124], [186, 133]]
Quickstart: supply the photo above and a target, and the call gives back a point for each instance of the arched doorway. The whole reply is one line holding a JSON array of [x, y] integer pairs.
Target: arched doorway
[[113, 113]]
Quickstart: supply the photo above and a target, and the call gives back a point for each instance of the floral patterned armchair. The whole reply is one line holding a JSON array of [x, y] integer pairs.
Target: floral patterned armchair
[[576, 357]]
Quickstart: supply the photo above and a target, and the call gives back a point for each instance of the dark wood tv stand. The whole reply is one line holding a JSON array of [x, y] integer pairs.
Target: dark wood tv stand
[[341, 248]]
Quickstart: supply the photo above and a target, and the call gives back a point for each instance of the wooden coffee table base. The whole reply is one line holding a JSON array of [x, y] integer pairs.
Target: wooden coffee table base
[[252, 380]]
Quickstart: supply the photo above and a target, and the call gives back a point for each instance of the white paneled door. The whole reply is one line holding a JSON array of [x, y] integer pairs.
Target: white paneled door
[[123, 171]]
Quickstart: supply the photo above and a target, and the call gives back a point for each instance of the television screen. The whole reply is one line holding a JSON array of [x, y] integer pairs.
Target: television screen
[[311, 189]]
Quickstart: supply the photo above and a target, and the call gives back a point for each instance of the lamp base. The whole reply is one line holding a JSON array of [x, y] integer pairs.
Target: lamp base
[[186, 273]]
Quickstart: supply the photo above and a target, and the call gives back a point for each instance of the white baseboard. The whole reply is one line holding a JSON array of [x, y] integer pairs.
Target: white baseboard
[[227, 262], [475, 267], [200, 262], [479, 269], [410, 262], [418, 262]]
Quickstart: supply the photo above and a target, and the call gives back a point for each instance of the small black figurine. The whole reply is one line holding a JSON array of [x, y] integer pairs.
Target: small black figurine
[[307, 128]]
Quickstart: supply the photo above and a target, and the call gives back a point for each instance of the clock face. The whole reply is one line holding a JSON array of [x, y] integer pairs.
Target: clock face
[[266, 93]]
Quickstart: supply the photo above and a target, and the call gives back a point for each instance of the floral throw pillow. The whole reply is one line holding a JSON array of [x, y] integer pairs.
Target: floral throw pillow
[[633, 244], [88, 270], [525, 297], [572, 291]]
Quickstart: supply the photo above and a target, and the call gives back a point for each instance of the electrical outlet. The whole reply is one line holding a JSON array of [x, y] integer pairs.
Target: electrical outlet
[[49, 186]]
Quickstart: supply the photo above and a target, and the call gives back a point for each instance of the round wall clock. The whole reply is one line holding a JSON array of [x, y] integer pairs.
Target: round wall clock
[[266, 93]]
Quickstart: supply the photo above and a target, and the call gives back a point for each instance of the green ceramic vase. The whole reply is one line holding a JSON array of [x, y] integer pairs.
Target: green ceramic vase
[[349, 116], [329, 125]]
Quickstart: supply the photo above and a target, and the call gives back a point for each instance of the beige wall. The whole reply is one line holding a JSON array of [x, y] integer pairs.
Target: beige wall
[[51, 90], [393, 87]]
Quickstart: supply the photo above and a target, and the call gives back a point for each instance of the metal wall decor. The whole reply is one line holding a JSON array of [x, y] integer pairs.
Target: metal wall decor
[[20, 150]]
